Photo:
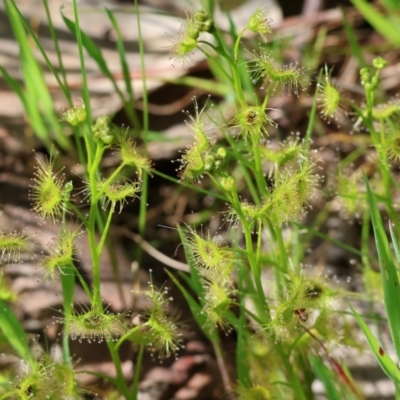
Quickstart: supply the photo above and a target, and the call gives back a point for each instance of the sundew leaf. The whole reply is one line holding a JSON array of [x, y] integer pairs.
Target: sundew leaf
[[14, 333], [390, 279], [386, 363]]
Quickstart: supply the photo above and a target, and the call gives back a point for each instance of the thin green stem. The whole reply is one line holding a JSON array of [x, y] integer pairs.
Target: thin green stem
[[85, 86], [222, 368], [262, 304], [79, 214], [110, 179], [121, 382], [236, 49], [138, 368], [92, 227], [215, 63], [106, 228], [83, 283]]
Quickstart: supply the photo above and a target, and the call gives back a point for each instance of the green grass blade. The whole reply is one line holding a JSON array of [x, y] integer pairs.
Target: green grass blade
[[129, 105], [311, 119], [395, 242], [355, 48], [94, 52], [390, 279], [54, 37], [324, 374], [85, 86], [14, 333], [242, 367], [381, 23], [68, 289], [38, 102], [64, 86], [14, 85], [195, 309], [386, 363]]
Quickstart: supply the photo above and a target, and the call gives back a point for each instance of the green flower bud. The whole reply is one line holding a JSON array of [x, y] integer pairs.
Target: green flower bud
[[102, 130], [365, 76], [75, 116], [379, 63], [228, 183], [203, 21], [259, 23], [221, 153], [209, 162]]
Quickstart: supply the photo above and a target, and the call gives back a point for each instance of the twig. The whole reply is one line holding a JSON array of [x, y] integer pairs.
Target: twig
[[149, 249]]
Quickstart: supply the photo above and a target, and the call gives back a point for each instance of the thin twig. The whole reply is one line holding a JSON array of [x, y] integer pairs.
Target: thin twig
[[149, 249]]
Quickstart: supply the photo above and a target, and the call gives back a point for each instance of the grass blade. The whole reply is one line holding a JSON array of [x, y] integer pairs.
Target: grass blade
[[14, 333], [390, 279], [38, 102], [195, 309], [94, 52], [381, 23], [386, 363], [129, 105]]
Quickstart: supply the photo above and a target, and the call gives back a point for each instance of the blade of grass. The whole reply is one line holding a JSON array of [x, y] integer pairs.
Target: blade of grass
[[195, 309], [390, 279], [395, 242], [386, 363], [242, 367], [313, 113], [62, 84], [355, 48], [85, 87], [14, 333], [38, 103], [129, 105], [381, 23], [324, 374]]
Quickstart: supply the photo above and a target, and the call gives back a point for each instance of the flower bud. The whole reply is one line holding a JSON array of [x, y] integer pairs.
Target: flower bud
[[209, 162], [203, 21], [259, 23], [221, 153], [75, 116], [228, 184], [379, 63], [102, 130]]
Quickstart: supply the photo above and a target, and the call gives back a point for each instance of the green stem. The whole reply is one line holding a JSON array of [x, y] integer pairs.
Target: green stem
[[79, 215], [85, 86], [111, 178], [67, 282], [121, 382], [215, 63], [235, 72], [262, 304], [92, 227], [106, 228], [83, 283], [222, 368], [236, 50], [138, 368]]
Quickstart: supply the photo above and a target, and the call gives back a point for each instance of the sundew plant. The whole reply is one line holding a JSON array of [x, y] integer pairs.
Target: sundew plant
[[249, 278]]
